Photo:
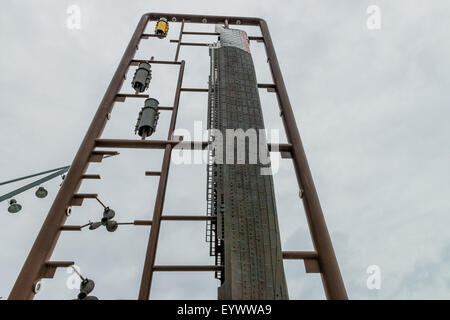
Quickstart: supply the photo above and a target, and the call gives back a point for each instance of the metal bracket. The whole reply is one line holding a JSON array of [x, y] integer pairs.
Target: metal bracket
[[78, 198], [49, 268]]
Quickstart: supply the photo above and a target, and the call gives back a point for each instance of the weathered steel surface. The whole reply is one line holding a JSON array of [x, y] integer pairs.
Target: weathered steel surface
[[247, 237]]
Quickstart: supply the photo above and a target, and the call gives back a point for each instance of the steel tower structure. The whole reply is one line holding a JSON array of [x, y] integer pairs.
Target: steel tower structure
[[322, 260], [245, 229]]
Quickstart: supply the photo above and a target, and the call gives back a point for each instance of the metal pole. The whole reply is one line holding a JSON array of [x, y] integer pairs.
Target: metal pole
[[48, 236], [179, 40], [32, 184], [147, 274], [34, 175], [331, 275]]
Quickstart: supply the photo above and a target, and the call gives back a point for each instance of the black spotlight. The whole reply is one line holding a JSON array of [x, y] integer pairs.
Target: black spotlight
[[86, 287], [14, 207], [41, 192]]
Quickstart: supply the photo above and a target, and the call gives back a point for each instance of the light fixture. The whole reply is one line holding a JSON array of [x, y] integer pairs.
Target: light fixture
[[86, 287], [37, 287], [111, 225], [14, 207], [94, 225], [108, 213], [162, 27], [147, 118], [41, 192], [106, 221], [142, 77]]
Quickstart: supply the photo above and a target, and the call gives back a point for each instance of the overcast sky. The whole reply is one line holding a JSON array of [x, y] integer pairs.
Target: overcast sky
[[372, 107]]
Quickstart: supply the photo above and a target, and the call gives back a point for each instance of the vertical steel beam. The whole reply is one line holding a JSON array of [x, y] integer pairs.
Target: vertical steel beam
[[147, 274], [48, 235], [331, 275], [179, 40], [173, 119]]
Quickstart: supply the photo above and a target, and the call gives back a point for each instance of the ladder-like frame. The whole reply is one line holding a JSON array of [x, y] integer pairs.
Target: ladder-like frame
[[38, 264]]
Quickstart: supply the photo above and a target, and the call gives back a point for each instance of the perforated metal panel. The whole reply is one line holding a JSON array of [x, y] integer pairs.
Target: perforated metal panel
[[246, 234]]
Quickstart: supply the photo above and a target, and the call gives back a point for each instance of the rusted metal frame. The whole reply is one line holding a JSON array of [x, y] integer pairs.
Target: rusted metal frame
[[177, 138], [191, 44], [280, 147], [148, 35], [253, 38], [149, 223], [152, 173], [79, 228], [161, 144], [78, 198], [165, 108], [70, 228], [310, 259], [286, 155], [187, 218], [131, 95], [90, 176], [143, 144], [179, 40], [205, 19], [105, 152], [75, 228], [201, 33], [195, 89], [266, 85], [331, 275], [48, 235], [137, 223], [121, 97], [176, 103], [49, 268], [46, 240], [136, 62], [147, 274], [60, 264], [183, 268], [98, 155], [143, 222]]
